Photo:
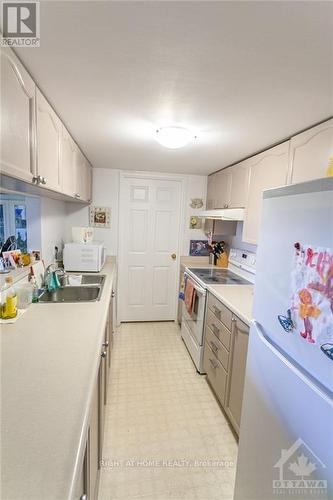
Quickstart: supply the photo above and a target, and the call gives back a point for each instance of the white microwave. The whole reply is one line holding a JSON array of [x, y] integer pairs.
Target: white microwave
[[89, 257]]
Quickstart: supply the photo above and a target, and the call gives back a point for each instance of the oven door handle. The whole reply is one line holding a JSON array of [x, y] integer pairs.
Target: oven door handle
[[198, 288]]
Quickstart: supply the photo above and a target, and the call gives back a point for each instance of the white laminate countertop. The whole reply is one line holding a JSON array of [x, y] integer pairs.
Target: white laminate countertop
[[238, 298], [49, 367]]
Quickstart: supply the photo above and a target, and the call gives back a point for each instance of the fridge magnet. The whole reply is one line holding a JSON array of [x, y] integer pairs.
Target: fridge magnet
[[99, 216], [328, 350], [312, 292], [196, 203], [286, 322], [195, 222], [199, 248]]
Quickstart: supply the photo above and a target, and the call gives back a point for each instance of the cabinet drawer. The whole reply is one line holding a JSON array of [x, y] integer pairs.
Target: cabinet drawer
[[216, 374], [219, 329], [218, 348], [221, 311]]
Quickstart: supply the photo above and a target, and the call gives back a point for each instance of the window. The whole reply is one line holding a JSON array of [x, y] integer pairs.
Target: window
[[21, 227], [13, 222]]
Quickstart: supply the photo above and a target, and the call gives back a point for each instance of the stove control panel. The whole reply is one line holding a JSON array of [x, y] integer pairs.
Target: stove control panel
[[243, 259]]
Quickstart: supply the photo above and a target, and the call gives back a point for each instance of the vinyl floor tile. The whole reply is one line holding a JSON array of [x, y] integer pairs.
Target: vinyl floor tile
[[165, 436]]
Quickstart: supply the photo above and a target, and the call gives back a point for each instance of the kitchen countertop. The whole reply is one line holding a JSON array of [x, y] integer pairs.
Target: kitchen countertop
[[49, 367], [238, 298]]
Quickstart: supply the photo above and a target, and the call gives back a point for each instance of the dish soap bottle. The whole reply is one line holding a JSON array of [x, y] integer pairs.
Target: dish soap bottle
[[9, 307], [33, 283]]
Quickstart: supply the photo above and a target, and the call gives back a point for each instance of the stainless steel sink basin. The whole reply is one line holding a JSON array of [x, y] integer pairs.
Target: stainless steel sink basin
[[90, 279], [72, 294]]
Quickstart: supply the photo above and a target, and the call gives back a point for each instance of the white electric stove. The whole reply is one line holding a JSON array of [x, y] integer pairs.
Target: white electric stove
[[240, 271]]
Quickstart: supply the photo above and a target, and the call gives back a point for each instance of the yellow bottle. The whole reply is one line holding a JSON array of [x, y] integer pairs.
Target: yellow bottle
[[9, 307]]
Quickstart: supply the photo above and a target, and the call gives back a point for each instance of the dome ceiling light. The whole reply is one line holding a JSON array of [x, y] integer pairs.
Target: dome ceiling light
[[174, 137]]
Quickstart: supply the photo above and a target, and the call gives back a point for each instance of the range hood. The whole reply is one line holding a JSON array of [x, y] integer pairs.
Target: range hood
[[232, 214]]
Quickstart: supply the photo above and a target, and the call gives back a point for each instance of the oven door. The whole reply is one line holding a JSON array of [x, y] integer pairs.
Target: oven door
[[195, 322]]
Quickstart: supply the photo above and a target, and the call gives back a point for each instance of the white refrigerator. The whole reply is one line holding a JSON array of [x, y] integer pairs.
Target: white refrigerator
[[286, 432]]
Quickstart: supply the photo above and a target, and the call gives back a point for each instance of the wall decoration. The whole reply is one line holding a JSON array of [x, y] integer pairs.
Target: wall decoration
[[196, 203], [99, 216], [199, 248], [312, 295], [195, 222]]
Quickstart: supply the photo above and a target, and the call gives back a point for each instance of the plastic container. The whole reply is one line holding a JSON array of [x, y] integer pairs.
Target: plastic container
[[9, 300], [24, 295], [82, 234]]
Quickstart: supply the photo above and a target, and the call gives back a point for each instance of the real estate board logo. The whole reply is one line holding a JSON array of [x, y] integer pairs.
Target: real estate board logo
[[20, 21], [301, 473]]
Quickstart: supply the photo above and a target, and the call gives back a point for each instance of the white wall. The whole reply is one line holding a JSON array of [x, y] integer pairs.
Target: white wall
[[33, 205], [195, 186], [53, 225], [106, 193], [236, 241]]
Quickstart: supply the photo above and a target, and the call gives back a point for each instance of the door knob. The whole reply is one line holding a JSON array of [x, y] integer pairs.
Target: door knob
[[173, 256]]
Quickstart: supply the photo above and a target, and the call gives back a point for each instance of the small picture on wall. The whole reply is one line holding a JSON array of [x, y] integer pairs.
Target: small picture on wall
[[99, 216], [195, 222], [199, 248]]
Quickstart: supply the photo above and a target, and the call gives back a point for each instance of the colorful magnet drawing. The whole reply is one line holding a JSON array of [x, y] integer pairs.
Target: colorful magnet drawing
[[286, 322], [328, 350], [311, 311]]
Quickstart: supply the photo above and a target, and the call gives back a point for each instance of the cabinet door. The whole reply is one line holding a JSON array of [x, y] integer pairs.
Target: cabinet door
[[68, 157], [94, 446], [107, 347], [267, 170], [211, 192], [310, 153], [236, 378], [49, 133], [17, 151], [239, 185], [83, 177], [223, 188]]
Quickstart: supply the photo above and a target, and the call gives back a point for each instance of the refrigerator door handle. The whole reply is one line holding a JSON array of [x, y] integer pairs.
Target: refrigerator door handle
[[298, 370]]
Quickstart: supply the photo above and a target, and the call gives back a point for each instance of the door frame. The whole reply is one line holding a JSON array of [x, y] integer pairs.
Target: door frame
[[133, 174]]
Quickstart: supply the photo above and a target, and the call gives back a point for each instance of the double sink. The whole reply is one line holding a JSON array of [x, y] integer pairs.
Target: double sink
[[90, 290]]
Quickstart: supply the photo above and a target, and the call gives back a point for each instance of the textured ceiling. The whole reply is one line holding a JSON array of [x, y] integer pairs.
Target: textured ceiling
[[242, 75]]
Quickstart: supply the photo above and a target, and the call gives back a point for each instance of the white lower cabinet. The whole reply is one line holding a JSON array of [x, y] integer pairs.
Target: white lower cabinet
[[267, 170], [237, 368], [88, 482], [225, 351]]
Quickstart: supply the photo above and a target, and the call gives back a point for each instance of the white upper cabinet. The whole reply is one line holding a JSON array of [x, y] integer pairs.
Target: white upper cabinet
[[222, 188], [239, 184], [49, 135], [310, 152], [83, 177], [267, 170], [228, 188], [211, 192], [68, 159], [18, 118]]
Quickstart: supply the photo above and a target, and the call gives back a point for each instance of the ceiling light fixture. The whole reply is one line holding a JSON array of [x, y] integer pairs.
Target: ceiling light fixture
[[174, 137]]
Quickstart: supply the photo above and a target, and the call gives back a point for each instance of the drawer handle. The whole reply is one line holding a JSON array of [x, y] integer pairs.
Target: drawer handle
[[216, 330], [213, 346], [217, 311], [213, 363]]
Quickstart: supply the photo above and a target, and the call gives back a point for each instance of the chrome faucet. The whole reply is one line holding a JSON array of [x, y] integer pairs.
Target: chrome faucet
[[47, 272]]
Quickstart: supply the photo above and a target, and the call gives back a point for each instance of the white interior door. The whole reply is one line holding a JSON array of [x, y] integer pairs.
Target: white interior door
[[149, 236]]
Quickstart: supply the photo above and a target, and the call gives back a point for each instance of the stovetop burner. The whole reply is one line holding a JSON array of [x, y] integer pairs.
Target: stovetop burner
[[219, 276]]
